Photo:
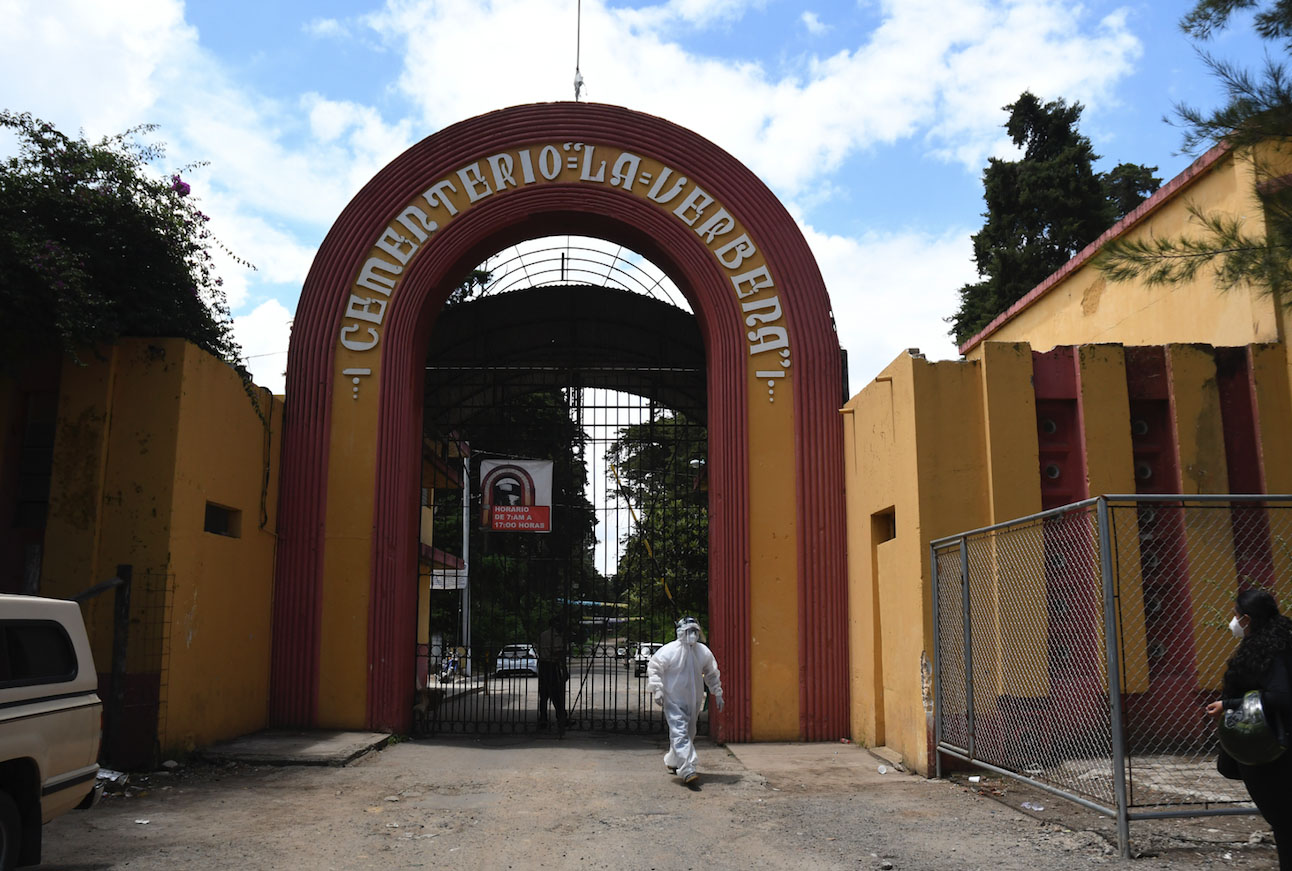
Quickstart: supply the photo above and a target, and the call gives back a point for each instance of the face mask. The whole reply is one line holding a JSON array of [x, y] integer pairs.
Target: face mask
[[1236, 628]]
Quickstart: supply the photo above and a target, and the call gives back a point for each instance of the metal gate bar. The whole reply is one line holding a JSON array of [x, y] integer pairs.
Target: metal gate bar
[[603, 596]]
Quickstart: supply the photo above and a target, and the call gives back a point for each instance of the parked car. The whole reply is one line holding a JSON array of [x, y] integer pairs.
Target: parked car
[[517, 658], [50, 720], [642, 653]]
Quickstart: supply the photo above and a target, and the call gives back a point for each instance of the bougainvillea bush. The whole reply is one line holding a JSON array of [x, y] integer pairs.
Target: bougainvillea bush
[[95, 244]]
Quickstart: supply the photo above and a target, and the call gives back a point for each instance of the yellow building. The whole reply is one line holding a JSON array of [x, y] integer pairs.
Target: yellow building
[[1082, 388], [163, 461]]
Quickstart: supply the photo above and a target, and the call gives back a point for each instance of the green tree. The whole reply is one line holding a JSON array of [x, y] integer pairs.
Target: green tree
[[1127, 185], [660, 472], [519, 580], [94, 246], [1041, 209], [1257, 111]]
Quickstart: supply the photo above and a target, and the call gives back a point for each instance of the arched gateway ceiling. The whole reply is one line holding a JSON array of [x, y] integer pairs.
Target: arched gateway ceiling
[[529, 338]]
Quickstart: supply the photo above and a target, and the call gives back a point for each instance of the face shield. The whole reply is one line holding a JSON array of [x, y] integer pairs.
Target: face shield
[[689, 631]]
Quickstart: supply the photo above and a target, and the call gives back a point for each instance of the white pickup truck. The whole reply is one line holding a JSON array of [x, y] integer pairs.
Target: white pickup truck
[[50, 721]]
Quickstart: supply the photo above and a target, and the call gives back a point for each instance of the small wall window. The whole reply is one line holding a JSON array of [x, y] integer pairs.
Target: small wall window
[[883, 525], [223, 521]]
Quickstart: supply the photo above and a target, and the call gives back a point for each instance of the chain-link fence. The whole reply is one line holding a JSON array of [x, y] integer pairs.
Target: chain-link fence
[[1076, 648]]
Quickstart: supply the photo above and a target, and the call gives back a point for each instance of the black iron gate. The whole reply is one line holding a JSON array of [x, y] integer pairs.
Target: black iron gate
[[508, 617]]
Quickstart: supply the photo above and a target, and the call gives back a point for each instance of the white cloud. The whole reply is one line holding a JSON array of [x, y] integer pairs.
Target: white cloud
[[327, 28], [296, 163], [986, 76], [813, 23], [272, 189], [890, 292], [263, 153], [934, 73], [263, 335], [328, 119], [933, 69], [699, 13], [279, 256], [85, 64]]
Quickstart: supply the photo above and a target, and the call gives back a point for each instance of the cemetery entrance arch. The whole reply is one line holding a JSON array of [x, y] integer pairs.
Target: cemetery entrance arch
[[345, 595]]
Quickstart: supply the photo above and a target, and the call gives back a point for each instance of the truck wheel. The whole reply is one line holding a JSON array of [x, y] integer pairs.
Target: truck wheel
[[10, 832]]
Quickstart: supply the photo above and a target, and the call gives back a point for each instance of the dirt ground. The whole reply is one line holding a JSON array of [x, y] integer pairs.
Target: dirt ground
[[607, 802]]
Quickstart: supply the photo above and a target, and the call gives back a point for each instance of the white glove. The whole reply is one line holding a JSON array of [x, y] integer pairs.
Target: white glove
[[659, 699], [718, 701]]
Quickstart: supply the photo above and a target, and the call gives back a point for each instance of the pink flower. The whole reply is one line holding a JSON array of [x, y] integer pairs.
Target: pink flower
[[179, 186]]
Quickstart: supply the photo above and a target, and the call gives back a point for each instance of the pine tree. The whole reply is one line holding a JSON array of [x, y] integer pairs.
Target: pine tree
[[1041, 209], [1258, 111]]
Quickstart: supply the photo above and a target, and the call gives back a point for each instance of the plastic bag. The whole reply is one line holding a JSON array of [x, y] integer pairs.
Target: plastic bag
[[1246, 736]]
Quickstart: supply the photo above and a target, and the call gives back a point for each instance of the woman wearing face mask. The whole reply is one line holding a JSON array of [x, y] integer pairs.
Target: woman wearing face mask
[[1263, 661]]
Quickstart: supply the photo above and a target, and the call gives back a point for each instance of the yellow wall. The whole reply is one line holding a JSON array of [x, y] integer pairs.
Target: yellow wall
[[914, 443], [1273, 406], [1084, 308], [221, 594], [76, 500], [1014, 491], [950, 447], [1200, 446], [1010, 411], [1106, 427], [149, 431], [865, 653], [1105, 419], [111, 489], [773, 570], [347, 551]]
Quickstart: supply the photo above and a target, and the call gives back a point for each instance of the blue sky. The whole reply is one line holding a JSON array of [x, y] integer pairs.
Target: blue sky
[[871, 120]]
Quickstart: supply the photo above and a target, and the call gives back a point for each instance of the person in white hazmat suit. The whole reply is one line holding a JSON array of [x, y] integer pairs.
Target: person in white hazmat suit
[[676, 676]]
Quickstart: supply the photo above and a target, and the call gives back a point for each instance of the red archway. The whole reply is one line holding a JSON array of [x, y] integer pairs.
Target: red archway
[[613, 212]]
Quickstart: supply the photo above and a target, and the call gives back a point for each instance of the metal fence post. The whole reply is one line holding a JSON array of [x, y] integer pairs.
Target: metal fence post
[[1113, 665], [937, 664], [970, 725], [115, 720]]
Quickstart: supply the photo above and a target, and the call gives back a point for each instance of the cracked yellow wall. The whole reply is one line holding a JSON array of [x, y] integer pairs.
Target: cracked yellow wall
[[223, 586], [148, 433]]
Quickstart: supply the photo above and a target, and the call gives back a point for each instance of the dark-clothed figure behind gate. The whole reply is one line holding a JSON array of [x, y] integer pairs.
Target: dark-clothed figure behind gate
[[676, 676], [552, 675], [1262, 663]]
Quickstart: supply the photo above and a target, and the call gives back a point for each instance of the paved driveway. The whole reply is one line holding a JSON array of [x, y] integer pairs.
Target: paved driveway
[[607, 802]]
